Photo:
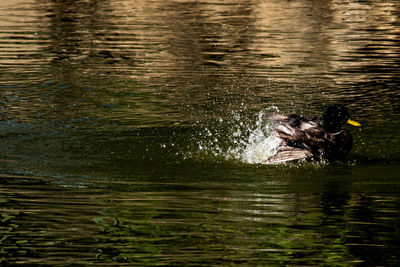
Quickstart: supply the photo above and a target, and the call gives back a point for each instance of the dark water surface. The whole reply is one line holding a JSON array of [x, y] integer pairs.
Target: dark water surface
[[123, 126]]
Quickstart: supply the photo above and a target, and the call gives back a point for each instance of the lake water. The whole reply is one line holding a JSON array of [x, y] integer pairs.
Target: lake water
[[129, 132]]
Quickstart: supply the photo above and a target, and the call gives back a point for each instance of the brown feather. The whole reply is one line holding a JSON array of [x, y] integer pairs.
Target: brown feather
[[305, 138]]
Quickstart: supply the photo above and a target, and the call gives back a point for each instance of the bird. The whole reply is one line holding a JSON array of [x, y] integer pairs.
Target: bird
[[312, 139]]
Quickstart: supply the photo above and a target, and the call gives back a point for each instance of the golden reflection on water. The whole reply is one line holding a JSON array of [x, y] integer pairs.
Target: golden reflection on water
[[153, 40], [177, 56]]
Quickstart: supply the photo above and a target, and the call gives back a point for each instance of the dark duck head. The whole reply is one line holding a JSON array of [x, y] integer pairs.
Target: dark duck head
[[334, 117]]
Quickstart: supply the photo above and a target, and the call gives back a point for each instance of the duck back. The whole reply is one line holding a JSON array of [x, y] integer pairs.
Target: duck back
[[305, 138]]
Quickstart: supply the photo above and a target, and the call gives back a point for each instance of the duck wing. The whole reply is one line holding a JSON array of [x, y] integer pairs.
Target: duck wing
[[287, 153], [304, 138], [299, 131]]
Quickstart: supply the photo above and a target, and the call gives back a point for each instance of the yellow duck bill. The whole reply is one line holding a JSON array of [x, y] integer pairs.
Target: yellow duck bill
[[354, 123]]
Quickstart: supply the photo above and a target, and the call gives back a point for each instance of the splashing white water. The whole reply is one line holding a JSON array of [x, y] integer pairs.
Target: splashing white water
[[259, 148], [260, 144], [247, 140]]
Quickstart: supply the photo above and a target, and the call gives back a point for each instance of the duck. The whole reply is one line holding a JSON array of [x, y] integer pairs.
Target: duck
[[312, 139]]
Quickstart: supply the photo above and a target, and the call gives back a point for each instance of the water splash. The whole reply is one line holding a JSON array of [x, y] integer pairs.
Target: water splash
[[248, 140], [259, 148], [261, 142]]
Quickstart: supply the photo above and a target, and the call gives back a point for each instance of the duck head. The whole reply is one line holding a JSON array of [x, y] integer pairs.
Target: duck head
[[335, 116]]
